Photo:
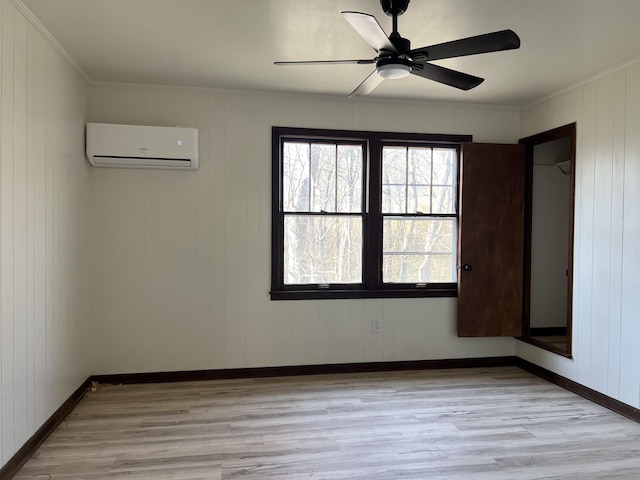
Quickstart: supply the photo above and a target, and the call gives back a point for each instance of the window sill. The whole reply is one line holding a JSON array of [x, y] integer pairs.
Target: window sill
[[346, 294]]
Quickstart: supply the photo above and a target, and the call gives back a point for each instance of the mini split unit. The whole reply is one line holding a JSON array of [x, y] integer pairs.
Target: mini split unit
[[139, 146]]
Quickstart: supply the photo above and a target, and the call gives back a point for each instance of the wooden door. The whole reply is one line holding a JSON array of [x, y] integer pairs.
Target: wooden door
[[491, 240]]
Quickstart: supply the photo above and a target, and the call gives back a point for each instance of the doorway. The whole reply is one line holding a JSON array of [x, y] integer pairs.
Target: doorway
[[548, 262]]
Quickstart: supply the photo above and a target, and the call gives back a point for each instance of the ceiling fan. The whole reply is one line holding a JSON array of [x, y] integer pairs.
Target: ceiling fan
[[396, 59]]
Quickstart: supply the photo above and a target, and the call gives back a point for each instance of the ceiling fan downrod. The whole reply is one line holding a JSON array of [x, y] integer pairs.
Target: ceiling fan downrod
[[395, 8]]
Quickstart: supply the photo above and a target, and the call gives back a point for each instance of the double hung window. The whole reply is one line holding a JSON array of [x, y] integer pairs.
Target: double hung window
[[363, 214]]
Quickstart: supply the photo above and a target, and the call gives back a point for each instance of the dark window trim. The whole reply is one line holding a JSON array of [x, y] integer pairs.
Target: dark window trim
[[372, 286]]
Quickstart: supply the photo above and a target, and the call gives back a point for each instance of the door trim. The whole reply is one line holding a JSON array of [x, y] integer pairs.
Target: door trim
[[566, 131]]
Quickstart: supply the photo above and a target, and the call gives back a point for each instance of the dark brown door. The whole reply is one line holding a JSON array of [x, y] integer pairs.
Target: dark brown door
[[491, 240]]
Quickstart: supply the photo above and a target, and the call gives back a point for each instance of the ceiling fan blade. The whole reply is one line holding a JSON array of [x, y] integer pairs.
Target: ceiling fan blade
[[453, 78], [328, 62], [489, 42], [368, 85], [370, 30]]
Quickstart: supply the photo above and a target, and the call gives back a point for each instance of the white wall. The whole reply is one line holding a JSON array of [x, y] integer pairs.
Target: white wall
[[606, 326], [44, 210], [551, 194], [184, 257]]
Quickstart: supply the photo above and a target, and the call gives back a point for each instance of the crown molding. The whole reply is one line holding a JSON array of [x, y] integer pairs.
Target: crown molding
[[581, 83], [42, 30]]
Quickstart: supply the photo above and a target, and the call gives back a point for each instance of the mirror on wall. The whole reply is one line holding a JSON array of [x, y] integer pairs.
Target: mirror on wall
[[549, 207]]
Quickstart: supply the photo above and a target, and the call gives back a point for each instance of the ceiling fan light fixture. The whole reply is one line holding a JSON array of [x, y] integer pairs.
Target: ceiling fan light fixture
[[393, 70]]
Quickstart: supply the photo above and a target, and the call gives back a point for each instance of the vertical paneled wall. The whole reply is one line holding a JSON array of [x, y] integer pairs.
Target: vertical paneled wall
[[606, 339], [44, 220], [184, 257]]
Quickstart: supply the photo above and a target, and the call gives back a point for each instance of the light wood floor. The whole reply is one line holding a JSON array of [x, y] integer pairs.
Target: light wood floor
[[471, 424]]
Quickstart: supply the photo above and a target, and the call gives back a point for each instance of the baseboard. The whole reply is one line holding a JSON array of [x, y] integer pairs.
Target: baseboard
[[29, 448], [260, 372], [579, 389]]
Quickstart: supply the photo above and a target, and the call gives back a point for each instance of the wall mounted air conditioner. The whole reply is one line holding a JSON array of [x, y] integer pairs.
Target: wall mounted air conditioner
[[139, 146]]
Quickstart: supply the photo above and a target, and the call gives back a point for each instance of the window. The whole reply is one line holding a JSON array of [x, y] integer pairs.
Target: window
[[363, 214], [418, 214]]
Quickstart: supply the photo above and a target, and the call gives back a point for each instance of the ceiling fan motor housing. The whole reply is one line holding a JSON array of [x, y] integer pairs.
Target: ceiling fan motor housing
[[403, 45], [394, 7]]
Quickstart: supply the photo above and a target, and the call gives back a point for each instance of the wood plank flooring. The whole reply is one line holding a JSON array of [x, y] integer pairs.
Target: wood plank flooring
[[471, 424]]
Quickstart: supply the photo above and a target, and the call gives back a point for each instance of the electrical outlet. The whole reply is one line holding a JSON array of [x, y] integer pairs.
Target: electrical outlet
[[376, 325]]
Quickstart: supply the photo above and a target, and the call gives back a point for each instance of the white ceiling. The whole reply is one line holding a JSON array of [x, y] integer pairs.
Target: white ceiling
[[233, 43]]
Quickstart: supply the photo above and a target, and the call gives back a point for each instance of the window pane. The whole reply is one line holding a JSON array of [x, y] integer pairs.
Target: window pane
[[295, 177], [444, 164], [418, 250], [401, 268], [322, 249], [418, 199], [420, 166], [394, 179], [350, 167], [323, 177], [443, 200], [419, 180], [394, 199]]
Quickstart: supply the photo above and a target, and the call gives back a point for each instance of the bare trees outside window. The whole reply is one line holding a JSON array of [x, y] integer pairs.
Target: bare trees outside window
[[322, 206], [419, 217]]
